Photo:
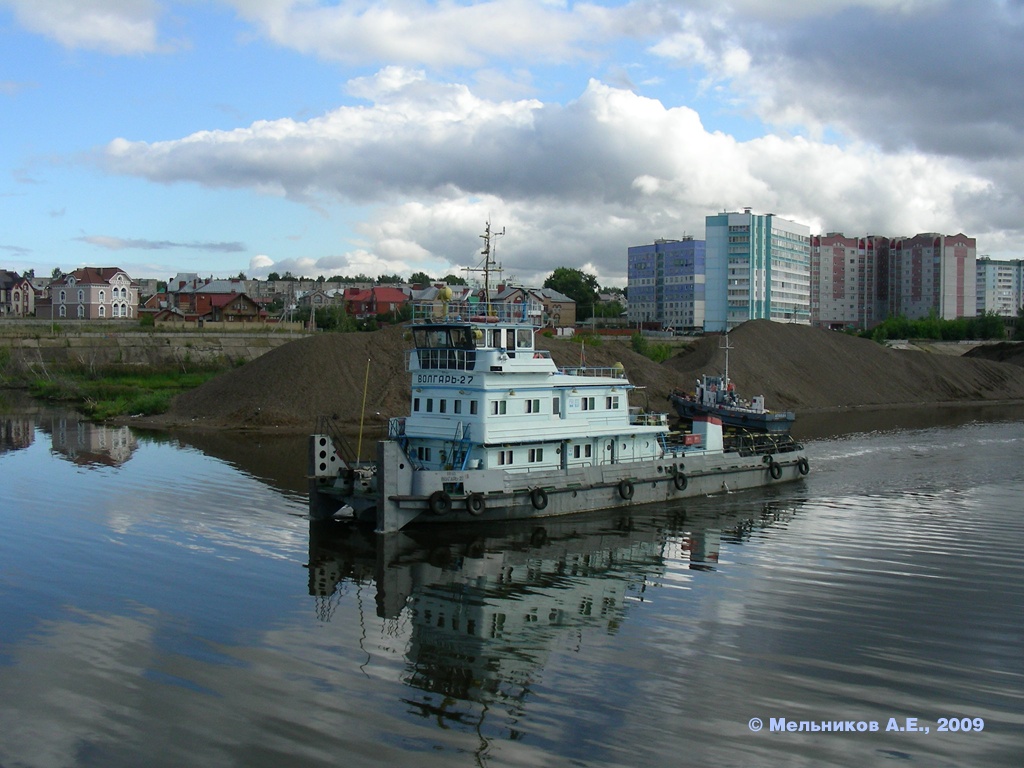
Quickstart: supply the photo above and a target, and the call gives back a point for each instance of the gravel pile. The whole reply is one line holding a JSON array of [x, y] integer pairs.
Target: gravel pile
[[794, 367]]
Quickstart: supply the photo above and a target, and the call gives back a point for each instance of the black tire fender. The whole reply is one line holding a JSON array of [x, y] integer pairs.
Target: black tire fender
[[626, 489], [539, 498], [475, 503], [440, 503]]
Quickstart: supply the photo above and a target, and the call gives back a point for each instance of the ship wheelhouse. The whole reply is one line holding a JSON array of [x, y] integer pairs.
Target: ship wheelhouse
[[483, 397]]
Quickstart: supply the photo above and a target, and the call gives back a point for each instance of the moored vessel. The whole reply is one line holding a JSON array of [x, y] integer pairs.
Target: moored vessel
[[716, 396], [497, 431]]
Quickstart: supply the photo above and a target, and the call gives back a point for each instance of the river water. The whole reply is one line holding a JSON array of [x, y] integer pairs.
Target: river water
[[165, 602]]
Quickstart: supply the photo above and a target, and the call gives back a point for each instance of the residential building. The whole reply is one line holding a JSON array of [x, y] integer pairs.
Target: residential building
[[849, 281], [378, 300], [541, 306], [17, 297], [91, 293], [1000, 286], [757, 266], [933, 274], [666, 284]]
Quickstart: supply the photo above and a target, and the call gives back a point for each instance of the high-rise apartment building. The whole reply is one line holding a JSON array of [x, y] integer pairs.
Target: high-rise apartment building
[[1000, 286], [666, 283], [758, 266], [933, 274], [849, 281]]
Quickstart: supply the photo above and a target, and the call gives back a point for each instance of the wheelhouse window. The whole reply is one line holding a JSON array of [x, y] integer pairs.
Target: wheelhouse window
[[533, 406], [505, 458], [499, 407], [451, 347], [536, 455]]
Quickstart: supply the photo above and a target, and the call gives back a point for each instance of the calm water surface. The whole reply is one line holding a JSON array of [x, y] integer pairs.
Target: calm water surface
[[164, 602]]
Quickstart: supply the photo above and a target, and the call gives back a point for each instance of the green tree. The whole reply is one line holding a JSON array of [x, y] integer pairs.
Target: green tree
[[578, 286], [273, 277], [335, 318], [609, 309], [454, 280], [422, 278]]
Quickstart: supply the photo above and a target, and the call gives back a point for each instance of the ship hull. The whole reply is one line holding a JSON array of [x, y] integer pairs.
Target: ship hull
[[776, 423], [397, 496]]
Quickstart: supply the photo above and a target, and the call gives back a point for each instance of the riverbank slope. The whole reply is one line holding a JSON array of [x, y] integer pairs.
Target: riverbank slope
[[363, 376]]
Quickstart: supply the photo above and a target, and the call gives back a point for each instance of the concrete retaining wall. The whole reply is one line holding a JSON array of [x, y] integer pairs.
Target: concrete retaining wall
[[34, 345]]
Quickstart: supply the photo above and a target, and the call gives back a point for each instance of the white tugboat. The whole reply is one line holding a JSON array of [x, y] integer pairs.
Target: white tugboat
[[497, 431]]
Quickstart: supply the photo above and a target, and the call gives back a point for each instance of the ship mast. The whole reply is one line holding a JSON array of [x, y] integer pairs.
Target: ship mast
[[726, 347], [489, 263]]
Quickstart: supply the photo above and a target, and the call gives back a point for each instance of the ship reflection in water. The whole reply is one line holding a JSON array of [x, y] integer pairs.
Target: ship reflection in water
[[483, 610]]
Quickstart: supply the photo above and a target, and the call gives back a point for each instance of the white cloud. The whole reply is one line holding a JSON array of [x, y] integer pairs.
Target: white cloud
[[435, 34], [110, 26], [575, 183]]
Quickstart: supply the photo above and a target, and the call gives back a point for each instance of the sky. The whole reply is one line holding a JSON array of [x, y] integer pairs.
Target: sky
[[371, 137]]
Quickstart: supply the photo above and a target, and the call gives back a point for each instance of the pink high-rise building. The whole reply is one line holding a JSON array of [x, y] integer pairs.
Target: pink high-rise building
[[858, 283]]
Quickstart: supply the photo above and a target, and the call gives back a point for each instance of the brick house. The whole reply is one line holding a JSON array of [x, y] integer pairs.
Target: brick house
[[371, 302]]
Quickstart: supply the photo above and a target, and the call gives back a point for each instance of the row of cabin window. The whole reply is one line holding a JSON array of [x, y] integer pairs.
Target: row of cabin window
[[442, 406], [507, 457], [500, 407]]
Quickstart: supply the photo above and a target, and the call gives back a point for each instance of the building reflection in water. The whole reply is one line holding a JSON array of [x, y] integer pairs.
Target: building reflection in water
[[485, 606], [86, 443], [16, 432]]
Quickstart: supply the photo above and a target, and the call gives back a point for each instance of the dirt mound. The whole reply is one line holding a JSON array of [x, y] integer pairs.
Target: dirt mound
[[1004, 352], [800, 368], [794, 367]]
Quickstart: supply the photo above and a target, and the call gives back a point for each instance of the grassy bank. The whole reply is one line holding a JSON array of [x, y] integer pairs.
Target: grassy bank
[[106, 392]]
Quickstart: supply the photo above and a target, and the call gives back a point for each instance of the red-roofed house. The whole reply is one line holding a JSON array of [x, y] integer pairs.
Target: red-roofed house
[[379, 300]]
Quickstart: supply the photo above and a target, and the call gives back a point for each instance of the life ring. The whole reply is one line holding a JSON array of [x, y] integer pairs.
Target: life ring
[[440, 503], [626, 489], [539, 498], [775, 470], [679, 481], [475, 503], [803, 466]]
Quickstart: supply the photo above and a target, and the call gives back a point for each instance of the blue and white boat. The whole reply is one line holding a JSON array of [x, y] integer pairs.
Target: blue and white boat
[[497, 431]]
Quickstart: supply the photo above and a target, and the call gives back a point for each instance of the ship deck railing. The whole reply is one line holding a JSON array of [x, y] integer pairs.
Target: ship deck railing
[[476, 312], [614, 372]]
